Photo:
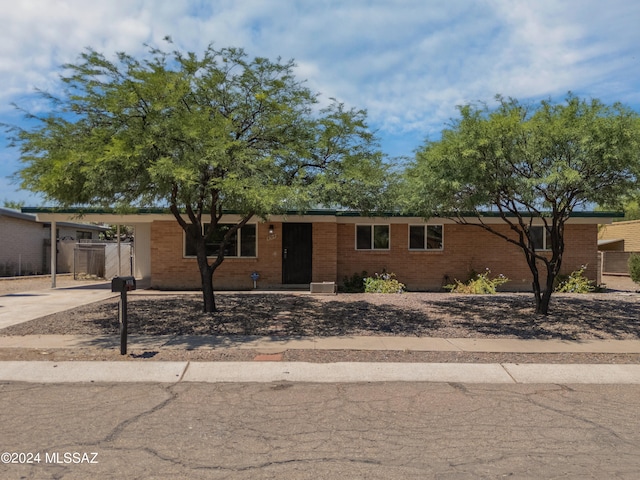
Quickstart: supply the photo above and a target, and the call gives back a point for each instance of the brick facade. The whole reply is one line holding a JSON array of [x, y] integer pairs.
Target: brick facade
[[628, 231], [171, 270], [466, 248]]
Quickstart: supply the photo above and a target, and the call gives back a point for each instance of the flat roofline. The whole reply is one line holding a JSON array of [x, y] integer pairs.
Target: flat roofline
[[80, 211], [28, 217]]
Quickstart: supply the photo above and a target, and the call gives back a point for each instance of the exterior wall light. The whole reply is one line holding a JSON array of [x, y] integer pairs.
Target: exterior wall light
[[271, 229]]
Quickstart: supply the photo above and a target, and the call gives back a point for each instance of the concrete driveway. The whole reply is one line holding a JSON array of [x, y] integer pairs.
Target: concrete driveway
[[21, 307]]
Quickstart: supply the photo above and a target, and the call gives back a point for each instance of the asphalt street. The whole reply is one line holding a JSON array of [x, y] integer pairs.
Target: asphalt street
[[288, 430]]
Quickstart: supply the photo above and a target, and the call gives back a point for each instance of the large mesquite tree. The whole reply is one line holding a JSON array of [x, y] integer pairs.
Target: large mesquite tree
[[201, 135], [529, 164]]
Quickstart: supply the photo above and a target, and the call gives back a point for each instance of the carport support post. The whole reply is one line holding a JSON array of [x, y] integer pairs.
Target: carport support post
[[122, 314], [54, 253], [119, 260]]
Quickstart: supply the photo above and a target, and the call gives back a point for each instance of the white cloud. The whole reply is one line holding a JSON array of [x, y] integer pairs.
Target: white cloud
[[408, 62], [566, 45]]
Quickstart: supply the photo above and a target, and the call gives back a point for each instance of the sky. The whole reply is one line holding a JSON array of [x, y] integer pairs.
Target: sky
[[409, 63]]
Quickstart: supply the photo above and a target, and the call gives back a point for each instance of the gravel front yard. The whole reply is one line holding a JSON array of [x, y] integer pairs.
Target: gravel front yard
[[573, 317], [611, 315]]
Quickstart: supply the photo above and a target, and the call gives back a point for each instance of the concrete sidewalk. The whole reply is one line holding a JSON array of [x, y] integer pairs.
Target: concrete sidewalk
[[252, 372], [214, 372]]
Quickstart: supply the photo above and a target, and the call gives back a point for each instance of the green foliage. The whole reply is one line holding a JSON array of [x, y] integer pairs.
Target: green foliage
[[127, 233], [479, 283], [383, 283], [527, 162], [575, 282], [354, 284], [634, 267], [580, 152], [13, 205], [628, 204], [631, 210], [202, 135], [220, 130]]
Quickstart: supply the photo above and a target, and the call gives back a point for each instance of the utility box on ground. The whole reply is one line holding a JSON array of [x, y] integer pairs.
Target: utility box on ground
[[323, 288]]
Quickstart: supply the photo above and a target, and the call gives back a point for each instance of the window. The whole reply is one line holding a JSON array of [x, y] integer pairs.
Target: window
[[248, 239], [425, 237], [372, 237], [540, 238], [241, 244], [80, 235]]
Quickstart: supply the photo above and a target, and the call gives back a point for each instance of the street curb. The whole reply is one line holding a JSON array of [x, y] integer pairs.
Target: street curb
[[81, 372], [340, 372]]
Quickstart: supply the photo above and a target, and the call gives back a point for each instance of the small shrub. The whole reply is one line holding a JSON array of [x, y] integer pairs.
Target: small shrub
[[480, 283], [383, 283], [576, 282], [354, 284], [634, 267]]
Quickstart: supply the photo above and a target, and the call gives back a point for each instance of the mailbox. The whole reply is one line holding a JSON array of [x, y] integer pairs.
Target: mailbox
[[123, 284]]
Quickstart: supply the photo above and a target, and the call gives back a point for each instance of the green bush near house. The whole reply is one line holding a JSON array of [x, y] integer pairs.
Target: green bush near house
[[383, 283], [354, 284], [479, 283], [575, 282], [634, 267]]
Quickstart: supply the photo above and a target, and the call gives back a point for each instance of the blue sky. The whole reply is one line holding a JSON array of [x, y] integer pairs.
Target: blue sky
[[408, 62]]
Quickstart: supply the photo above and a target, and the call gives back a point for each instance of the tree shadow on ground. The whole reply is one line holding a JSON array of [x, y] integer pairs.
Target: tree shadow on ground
[[275, 315], [571, 317], [332, 318]]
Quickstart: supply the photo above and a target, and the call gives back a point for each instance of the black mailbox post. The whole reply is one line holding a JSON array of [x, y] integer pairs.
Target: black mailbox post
[[123, 285]]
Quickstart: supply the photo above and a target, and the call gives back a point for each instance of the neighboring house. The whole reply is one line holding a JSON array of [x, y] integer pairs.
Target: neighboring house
[[294, 250], [617, 241], [25, 243], [620, 236]]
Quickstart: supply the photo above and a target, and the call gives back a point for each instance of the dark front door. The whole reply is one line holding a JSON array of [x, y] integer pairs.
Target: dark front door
[[296, 253]]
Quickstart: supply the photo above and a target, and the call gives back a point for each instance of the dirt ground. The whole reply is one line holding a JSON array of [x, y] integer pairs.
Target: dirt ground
[[445, 315], [611, 315], [41, 282]]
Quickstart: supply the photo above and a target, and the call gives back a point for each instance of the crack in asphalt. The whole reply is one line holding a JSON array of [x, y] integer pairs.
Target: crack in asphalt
[[116, 431], [280, 430]]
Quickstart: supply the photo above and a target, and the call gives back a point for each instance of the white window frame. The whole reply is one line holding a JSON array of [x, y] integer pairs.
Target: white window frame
[[238, 244], [425, 248], [373, 247]]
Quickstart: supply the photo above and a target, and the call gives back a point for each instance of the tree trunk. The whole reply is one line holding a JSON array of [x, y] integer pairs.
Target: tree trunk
[[206, 281], [207, 292], [535, 285], [543, 298], [542, 307], [539, 296], [552, 272]]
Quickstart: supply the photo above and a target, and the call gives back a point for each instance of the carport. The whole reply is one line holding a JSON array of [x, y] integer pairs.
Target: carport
[[141, 224]]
